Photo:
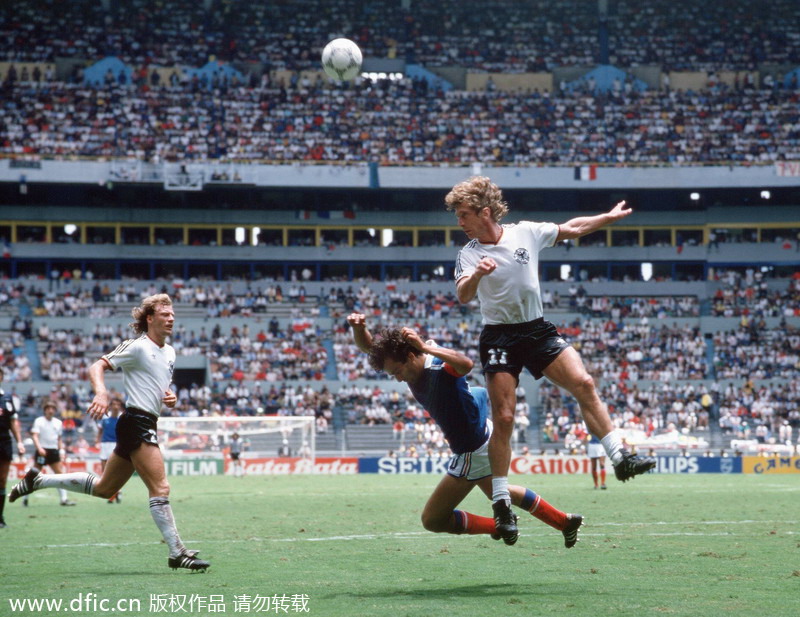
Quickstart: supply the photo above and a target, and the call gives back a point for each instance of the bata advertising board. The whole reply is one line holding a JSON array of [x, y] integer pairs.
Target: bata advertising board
[[292, 466]]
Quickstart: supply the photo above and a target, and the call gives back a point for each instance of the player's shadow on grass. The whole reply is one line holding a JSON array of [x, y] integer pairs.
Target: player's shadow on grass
[[466, 591]]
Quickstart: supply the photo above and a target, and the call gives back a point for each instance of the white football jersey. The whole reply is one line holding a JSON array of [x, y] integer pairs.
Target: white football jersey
[[146, 370], [49, 432], [511, 293]]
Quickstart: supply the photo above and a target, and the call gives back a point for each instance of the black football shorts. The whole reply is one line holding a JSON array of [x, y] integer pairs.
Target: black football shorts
[[508, 348], [134, 428]]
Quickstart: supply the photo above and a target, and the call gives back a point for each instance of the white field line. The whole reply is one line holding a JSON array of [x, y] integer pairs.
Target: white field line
[[411, 535]]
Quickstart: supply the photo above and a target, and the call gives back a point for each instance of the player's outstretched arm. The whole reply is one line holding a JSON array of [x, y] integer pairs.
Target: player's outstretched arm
[[361, 336], [582, 225], [457, 360], [99, 406]]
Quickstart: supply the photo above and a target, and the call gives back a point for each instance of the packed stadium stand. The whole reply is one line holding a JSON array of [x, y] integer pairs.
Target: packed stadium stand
[[196, 148]]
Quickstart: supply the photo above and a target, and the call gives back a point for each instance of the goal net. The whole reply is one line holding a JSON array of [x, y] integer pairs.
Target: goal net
[[263, 436]]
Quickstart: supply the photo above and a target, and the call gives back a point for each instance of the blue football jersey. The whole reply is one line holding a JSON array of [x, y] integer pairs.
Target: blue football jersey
[[460, 411]]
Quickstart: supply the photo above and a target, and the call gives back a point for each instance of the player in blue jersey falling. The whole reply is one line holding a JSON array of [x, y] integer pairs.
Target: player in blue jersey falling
[[436, 377]]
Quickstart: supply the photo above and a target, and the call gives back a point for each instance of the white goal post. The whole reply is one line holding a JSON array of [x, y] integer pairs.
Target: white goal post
[[265, 436]]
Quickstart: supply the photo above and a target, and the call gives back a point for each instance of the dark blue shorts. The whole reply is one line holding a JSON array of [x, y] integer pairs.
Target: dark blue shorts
[[508, 348]]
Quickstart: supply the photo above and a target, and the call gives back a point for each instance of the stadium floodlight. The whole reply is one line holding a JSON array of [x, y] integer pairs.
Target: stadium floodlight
[[387, 237], [70, 229], [695, 196], [239, 235], [766, 195]]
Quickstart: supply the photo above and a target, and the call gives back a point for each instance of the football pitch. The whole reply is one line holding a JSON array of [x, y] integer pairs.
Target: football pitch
[[352, 546]]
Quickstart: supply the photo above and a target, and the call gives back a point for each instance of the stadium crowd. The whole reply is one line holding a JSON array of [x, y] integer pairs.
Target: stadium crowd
[[399, 122], [504, 35]]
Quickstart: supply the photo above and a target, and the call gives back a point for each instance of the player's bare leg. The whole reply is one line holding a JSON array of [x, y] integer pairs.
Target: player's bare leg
[[117, 472], [149, 464], [441, 516], [502, 392], [567, 371]]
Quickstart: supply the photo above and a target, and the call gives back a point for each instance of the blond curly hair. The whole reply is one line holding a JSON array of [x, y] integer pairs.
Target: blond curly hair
[[145, 309], [478, 192]]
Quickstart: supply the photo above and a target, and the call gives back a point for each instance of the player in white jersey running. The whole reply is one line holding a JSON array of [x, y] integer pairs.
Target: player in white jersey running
[[500, 265], [147, 363], [46, 432]]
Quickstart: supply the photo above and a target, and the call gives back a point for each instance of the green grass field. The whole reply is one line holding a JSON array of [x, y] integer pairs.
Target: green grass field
[[660, 545]]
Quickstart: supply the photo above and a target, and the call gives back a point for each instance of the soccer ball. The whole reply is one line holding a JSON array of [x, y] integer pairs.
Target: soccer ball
[[341, 59]]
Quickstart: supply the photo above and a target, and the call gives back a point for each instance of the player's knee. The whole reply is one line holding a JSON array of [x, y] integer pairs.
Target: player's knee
[[584, 386], [503, 421], [433, 522]]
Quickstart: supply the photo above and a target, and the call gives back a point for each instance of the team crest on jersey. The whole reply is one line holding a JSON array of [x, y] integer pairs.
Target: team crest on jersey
[[171, 367], [522, 256]]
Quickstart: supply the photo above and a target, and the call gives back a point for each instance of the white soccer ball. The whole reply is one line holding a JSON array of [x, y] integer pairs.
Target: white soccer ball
[[341, 59]]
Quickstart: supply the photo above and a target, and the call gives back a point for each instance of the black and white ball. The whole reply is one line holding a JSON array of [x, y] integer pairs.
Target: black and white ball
[[341, 59]]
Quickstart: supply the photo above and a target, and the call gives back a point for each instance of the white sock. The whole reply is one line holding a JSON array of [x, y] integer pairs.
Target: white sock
[[500, 489], [162, 515], [613, 445], [77, 482]]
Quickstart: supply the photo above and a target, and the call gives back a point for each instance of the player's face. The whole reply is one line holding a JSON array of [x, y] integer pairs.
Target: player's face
[[474, 224], [401, 371], [160, 323]]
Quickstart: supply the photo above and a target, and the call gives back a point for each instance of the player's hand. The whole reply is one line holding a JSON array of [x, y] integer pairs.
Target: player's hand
[[41, 452], [99, 406], [485, 266], [20, 448], [411, 337], [357, 320], [620, 211], [170, 398]]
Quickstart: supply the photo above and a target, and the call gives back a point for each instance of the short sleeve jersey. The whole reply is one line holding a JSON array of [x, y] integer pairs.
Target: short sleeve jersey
[[511, 294], [49, 432], [7, 413], [460, 411], [146, 371]]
